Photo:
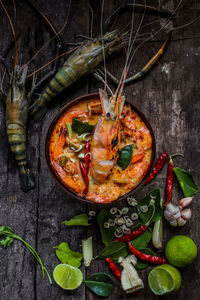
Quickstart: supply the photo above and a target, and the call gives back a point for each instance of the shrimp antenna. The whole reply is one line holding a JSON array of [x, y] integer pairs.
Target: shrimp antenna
[[13, 32], [130, 56], [52, 29], [104, 58]]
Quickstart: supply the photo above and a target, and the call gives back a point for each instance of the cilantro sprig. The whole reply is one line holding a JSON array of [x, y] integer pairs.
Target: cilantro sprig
[[8, 237]]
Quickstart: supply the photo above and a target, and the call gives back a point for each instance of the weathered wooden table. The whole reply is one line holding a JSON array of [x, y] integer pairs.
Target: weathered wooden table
[[168, 95]]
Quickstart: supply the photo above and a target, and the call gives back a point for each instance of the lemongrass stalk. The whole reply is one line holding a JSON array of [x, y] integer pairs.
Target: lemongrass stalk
[[87, 251]]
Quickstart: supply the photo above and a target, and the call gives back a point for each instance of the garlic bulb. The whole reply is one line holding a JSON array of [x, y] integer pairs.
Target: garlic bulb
[[178, 215]]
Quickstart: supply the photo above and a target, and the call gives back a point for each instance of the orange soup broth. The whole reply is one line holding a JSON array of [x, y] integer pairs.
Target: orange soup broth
[[133, 131]]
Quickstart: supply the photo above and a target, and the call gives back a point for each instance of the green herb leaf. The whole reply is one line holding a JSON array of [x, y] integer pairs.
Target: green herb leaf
[[81, 127], [81, 220], [100, 284], [142, 240], [154, 212], [114, 250], [9, 233], [125, 156], [141, 265], [6, 242], [186, 182], [107, 234], [67, 256]]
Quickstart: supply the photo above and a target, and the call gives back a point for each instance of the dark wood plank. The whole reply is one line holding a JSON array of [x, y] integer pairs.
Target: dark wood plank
[[169, 98]]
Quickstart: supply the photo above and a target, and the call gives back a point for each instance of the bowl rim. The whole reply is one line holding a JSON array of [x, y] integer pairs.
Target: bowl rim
[[66, 107]]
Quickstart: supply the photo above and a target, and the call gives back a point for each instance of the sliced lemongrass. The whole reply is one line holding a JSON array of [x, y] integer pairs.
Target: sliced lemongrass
[[106, 225], [87, 251], [124, 210], [132, 201], [126, 217], [92, 213], [118, 213], [113, 210], [134, 216], [79, 149], [119, 229], [144, 208], [111, 222], [129, 223], [118, 234], [120, 221], [126, 230], [152, 202], [81, 155], [85, 136]]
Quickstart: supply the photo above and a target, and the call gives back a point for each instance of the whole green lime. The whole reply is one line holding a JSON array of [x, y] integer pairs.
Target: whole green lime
[[181, 251]]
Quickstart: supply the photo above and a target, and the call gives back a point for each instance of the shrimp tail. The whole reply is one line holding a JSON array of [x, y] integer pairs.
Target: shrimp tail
[[27, 180]]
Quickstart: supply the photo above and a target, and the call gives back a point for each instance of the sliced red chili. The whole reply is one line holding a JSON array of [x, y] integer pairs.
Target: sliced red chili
[[113, 268], [129, 237], [85, 178], [147, 257], [157, 167]]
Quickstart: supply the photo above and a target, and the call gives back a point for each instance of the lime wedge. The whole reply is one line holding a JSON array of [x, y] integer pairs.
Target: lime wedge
[[67, 277], [164, 279]]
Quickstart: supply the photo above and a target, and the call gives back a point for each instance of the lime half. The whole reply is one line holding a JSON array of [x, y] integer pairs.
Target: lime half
[[67, 277], [164, 279]]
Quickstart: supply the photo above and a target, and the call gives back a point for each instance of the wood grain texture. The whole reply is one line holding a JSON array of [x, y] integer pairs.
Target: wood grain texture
[[168, 96]]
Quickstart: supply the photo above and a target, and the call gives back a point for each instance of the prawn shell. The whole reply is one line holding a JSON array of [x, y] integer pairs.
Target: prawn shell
[[88, 97]]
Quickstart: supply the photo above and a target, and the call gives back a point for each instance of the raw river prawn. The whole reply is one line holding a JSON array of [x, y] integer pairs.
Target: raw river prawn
[[17, 102], [85, 59]]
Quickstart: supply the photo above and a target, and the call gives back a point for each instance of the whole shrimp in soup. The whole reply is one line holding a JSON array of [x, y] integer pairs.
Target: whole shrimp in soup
[[106, 138]]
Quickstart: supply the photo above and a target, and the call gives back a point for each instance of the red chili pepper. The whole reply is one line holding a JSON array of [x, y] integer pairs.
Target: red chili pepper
[[87, 156], [147, 257], [113, 268], [169, 183], [157, 167], [170, 176], [132, 235], [85, 177]]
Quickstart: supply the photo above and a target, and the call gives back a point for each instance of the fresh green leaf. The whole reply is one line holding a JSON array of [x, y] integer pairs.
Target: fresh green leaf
[[67, 256], [114, 250], [142, 240], [6, 242], [81, 127], [5, 228], [154, 212], [107, 234], [186, 182], [125, 156], [81, 219], [141, 265], [100, 284]]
